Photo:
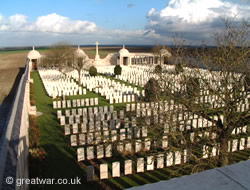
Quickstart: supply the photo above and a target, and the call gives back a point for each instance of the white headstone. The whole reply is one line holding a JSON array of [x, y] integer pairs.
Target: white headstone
[[80, 154], [83, 127], [128, 147], [248, 142], [128, 167], [106, 136], [242, 143], [144, 131], [116, 169], [75, 128], [160, 161], [67, 130], [74, 103], [129, 133], [73, 140], [164, 142], [147, 144], [140, 165], [82, 102], [121, 114], [90, 138], [69, 103], [150, 163], [113, 135], [169, 159], [235, 145], [122, 134], [74, 112], [120, 147], [98, 137], [59, 113], [96, 101], [87, 102], [59, 104], [54, 104], [92, 101], [177, 157], [78, 103], [137, 146], [82, 139], [62, 120], [103, 171], [67, 113], [90, 152], [108, 150], [100, 151]]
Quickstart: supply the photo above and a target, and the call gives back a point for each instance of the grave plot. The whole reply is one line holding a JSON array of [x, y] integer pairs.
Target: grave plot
[[135, 75], [102, 133], [113, 91], [58, 84], [115, 144]]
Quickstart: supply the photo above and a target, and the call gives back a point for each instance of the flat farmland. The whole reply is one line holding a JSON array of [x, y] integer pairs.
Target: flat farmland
[[10, 65]]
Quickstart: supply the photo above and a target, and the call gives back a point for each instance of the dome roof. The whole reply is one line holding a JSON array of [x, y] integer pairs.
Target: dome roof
[[80, 53], [33, 54], [165, 52], [124, 52]]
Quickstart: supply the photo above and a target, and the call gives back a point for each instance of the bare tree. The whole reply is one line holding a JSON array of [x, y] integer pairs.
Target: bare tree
[[58, 55], [65, 57], [225, 87], [78, 63], [215, 92]]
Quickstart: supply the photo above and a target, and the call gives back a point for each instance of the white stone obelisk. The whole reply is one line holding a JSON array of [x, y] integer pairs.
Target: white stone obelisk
[[97, 57]]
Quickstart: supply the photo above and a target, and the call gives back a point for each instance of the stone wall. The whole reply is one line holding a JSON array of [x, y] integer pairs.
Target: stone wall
[[14, 142]]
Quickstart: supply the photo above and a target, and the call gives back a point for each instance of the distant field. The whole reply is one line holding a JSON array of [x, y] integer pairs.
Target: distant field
[[21, 51]]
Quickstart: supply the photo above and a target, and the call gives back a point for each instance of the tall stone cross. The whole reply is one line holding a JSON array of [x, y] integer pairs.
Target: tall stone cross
[[97, 57], [97, 48]]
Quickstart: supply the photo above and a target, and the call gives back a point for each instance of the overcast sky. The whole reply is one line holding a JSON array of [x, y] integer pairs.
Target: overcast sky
[[44, 22]]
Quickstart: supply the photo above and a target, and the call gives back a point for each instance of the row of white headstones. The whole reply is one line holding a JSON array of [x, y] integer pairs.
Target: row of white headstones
[[154, 162], [135, 74], [114, 91], [93, 125]]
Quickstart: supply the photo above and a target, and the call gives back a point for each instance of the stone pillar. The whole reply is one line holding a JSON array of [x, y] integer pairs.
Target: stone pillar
[[97, 53]]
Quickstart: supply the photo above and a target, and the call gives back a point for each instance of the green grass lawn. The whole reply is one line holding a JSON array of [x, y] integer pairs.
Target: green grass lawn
[[61, 157], [123, 82]]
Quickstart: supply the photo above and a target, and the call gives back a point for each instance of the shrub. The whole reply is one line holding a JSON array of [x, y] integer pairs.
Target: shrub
[[178, 68], [118, 70], [152, 90], [34, 133], [158, 69], [92, 71], [32, 102]]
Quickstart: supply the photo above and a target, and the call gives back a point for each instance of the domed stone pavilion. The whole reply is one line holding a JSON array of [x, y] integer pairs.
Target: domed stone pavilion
[[34, 58]]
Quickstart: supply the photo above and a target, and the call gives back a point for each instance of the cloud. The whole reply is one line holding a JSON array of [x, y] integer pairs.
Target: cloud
[[195, 20], [17, 30], [52, 23], [131, 5]]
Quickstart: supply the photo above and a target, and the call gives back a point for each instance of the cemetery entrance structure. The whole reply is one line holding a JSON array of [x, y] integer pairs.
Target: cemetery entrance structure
[[34, 58]]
